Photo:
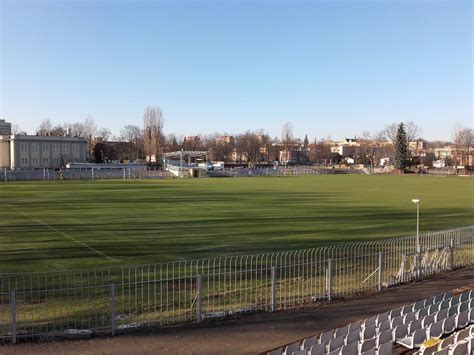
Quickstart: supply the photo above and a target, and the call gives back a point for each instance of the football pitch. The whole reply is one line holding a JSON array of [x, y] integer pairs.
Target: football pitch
[[52, 225]]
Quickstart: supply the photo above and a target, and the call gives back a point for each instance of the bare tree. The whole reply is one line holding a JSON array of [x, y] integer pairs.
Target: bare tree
[[16, 129], [463, 138], [45, 127], [287, 137], [389, 133], [153, 131]]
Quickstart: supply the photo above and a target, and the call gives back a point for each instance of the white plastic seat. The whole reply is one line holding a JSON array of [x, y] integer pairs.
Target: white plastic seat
[[413, 341]]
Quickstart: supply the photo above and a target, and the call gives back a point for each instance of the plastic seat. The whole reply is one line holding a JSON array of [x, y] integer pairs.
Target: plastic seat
[[428, 302], [290, 349], [435, 330], [384, 337], [447, 295], [409, 317], [461, 335], [414, 325], [384, 326], [460, 348], [326, 336], [354, 326], [454, 301], [400, 331], [300, 352], [309, 342], [350, 349], [407, 309], [368, 333], [395, 313], [444, 351], [413, 341], [419, 305], [462, 320], [422, 312], [438, 298], [452, 311], [369, 352], [383, 317], [341, 331], [276, 352], [441, 315], [444, 305], [336, 343], [464, 297], [425, 322], [463, 307], [385, 349], [433, 308], [318, 349], [396, 321], [447, 342], [449, 324], [352, 337], [367, 345], [369, 322]]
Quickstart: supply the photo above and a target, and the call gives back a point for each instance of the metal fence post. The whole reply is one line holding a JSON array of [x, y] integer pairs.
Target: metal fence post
[[451, 253], [329, 280], [273, 304], [13, 311], [199, 298], [112, 308], [380, 270]]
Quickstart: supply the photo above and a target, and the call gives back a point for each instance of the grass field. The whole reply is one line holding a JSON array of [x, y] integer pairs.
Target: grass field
[[52, 225]]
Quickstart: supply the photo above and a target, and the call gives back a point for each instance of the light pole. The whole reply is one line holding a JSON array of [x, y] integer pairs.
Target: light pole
[[417, 202]]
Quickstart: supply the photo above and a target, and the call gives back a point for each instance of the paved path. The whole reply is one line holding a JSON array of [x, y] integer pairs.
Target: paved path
[[255, 333]]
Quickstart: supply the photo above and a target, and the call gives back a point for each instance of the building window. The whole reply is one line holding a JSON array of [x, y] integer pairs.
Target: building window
[[24, 160], [45, 147], [55, 147], [34, 147], [45, 160], [76, 147], [65, 148], [23, 147], [56, 161]]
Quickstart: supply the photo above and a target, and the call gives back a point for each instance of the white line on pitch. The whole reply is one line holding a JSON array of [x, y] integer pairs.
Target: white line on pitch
[[63, 234]]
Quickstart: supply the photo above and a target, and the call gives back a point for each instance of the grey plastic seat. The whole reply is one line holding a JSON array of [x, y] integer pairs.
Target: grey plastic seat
[[413, 341], [401, 331], [326, 336], [300, 352], [449, 324], [367, 345], [385, 349], [350, 349], [407, 309], [278, 351], [290, 349], [454, 301], [369, 352], [419, 305], [352, 337], [462, 320], [368, 333], [447, 295], [395, 313], [414, 325], [444, 351], [462, 334], [369, 322], [464, 297], [435, 330], [397, 321], [409, 317], [341, 331], [428, 302], [384, 337], [354, 326], [336, 343], [309, 342], [439, 298], [382, 317], [422, 312], [425, 322], [463, 307], [460, 348], [384, 326], [452, 311], [447, 342], [444, 305], [433, 308], [318, 349], [441, 315]]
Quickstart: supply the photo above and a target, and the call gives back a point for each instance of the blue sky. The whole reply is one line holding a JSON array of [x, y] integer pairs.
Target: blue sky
[[329, 67]]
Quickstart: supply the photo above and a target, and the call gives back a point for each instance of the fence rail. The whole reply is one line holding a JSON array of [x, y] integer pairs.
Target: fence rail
[[74, 304]]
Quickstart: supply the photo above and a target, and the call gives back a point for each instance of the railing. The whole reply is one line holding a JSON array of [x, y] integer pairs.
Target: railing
[[74, 304], [7, 175]]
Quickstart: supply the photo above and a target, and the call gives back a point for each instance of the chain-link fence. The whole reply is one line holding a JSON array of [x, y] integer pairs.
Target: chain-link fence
[[74, 304]]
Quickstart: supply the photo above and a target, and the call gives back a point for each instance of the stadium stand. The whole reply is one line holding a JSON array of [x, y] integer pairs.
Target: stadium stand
[[440, 325]]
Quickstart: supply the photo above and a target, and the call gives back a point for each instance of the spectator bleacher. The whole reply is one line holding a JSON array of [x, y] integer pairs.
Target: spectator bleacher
[[439, 325]]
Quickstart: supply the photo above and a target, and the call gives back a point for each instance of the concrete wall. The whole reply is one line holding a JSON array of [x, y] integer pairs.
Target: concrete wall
[[4, 152]]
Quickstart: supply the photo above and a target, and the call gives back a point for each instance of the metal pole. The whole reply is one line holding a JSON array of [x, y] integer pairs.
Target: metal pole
[[92, 173], [13, 311], [273, 304], [418, 248], [5, 172], [329, 280], [380, 270], [451, 251], [199, 298], [112, 308], [123, 169]]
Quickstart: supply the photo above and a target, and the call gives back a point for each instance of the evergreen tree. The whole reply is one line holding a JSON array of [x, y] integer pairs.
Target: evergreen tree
[[306, 141], [401, 148]]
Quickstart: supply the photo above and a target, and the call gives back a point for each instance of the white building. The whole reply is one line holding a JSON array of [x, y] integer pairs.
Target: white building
[[26, 152]]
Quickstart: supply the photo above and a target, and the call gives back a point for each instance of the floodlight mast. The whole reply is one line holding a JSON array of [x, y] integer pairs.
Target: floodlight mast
[[417, 203]]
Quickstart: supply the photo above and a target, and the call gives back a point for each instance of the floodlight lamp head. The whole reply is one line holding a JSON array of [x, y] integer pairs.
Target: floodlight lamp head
[[415, 200]]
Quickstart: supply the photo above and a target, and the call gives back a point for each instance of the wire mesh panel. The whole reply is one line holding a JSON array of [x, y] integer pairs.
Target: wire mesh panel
[[79, 303]]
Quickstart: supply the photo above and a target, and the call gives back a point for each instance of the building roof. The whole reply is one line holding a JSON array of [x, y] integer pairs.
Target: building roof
[[47, 138]]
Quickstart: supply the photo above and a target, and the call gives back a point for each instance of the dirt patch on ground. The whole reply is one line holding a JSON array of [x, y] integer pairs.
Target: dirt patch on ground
[[256, 333]]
